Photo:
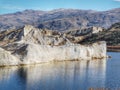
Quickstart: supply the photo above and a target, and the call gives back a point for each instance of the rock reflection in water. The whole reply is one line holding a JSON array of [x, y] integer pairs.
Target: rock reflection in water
[[6, 72], [75, 75]]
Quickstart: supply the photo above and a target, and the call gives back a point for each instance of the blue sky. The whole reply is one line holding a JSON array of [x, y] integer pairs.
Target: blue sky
[[10, 6]]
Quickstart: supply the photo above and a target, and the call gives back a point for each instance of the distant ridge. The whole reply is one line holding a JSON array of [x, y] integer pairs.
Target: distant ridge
[[60, 19]]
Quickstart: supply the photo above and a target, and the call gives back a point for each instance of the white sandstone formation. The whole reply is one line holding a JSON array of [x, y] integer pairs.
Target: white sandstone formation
[[46, 53], [97, 29], [27, 29], [6, 58], [45, 46]]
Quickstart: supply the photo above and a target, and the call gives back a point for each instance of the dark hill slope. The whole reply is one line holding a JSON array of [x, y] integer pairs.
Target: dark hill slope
[[111, 36]]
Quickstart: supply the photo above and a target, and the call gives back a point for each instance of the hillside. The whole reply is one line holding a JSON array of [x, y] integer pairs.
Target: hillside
[[111, 36], [60, 19]]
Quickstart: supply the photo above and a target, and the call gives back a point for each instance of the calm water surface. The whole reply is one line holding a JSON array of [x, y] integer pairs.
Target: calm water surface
[[75, 75]]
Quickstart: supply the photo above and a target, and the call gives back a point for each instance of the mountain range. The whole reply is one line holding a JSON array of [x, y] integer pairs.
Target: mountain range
[[60, 19]]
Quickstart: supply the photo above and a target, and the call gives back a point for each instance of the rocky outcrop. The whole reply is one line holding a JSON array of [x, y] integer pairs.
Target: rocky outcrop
[[33, 53], [38, 46], [44, 37], [97, 29], [6, 58], [111, 36], [10, 36], [84, 31]]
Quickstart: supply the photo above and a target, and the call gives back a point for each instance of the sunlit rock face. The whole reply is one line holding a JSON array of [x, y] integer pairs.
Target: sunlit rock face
[[33, 53], [38, 46], [44, 37], [6, 58], [97, 29]]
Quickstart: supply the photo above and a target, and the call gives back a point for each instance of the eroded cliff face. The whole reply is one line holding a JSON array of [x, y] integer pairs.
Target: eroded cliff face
[[33, 53], [6, 58], [44, 37], [38, 46]]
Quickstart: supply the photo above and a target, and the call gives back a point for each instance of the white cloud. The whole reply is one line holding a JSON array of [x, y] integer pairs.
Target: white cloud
[[10, 7], [117, 0]]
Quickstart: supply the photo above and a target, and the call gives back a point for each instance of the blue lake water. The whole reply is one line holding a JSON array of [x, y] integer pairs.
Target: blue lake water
[[69, 75]]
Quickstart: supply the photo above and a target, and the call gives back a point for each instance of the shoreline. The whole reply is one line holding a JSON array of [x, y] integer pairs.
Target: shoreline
[[113, 48]]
